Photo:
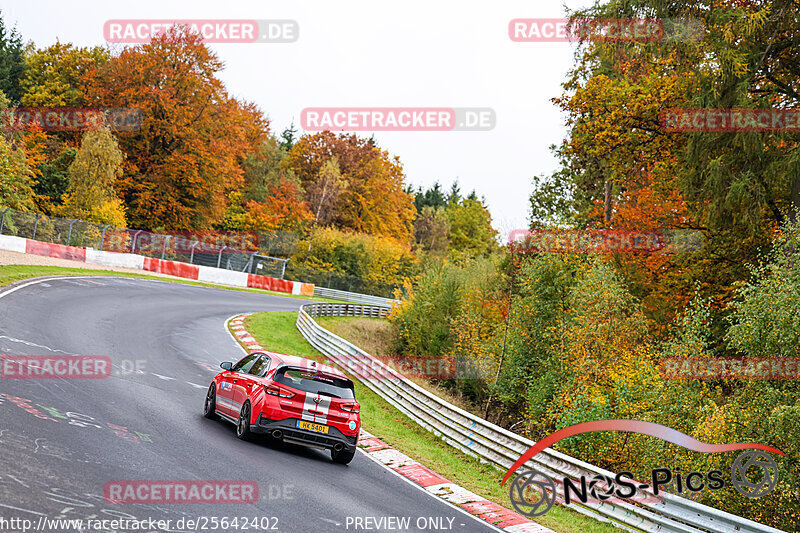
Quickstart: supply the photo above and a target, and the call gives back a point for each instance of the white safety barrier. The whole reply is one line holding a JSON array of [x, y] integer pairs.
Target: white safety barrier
[[14, 244], [498, 446], [115, 259], [218, 275]]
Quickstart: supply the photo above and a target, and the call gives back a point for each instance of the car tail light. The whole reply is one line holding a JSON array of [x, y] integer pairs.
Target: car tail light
[[350, 407], [274, 390]]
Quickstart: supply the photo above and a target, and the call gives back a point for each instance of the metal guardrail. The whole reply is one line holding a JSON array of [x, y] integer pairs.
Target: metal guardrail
[[370, 311], [365, 299], [500, 447]]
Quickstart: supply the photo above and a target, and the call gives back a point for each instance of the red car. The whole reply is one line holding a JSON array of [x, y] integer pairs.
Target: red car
[[293, 399]]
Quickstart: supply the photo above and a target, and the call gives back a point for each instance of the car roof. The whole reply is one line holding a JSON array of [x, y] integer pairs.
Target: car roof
[[302, 362]]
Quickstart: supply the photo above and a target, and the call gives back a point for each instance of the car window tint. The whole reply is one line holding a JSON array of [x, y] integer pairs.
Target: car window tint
[[245, 364], [309, 382], [260, 366]]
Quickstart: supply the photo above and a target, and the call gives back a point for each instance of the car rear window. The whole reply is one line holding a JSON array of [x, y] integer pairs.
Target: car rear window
[[307, 381]]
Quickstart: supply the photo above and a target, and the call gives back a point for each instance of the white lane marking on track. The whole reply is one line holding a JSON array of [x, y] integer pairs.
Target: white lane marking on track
[[33, 344], [36, 282], [195, 385], [457, 508], [20, 509], [42, 282], [165, 378], [334, 522]]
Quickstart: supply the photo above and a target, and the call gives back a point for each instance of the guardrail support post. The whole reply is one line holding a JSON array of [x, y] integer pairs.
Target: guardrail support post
[[283, 268], [219, 258], [35, 226], [191, 256], [69, 233], [249, 264], [3, 219], [135, 238], [103, 236], [164, 248]]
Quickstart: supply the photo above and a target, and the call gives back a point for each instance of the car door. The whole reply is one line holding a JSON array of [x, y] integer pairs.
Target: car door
[[246, 380], [229, 380]]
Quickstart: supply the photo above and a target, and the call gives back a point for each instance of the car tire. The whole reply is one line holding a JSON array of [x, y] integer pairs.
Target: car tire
[[243, 425], [344, 456], [210, 407]]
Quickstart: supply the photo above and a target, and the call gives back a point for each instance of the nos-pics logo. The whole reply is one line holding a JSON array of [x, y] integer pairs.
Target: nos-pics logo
[[533, 492]]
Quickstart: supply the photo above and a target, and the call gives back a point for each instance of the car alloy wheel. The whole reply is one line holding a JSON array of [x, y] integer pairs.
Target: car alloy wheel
[[243, 426]]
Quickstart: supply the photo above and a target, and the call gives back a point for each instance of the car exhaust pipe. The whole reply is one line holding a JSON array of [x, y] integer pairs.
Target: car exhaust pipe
[[338, 447], [277, 434]]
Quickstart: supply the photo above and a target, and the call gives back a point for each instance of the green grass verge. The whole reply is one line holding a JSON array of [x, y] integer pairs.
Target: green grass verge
[[276, 331], [11, 273]]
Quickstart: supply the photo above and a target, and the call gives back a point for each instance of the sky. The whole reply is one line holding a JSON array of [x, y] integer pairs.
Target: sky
[[353, 53]]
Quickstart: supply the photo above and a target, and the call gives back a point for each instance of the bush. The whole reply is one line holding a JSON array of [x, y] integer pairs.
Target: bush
[[379, 259]]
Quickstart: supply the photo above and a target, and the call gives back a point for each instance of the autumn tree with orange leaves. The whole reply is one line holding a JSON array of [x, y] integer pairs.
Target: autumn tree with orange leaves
[[371, 198], [187, 155]]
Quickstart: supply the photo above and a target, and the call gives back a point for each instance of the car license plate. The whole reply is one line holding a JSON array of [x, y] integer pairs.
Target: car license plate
[[319, 428]]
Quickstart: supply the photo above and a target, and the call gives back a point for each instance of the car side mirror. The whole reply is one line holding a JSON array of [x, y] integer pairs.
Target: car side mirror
[[226, 365]]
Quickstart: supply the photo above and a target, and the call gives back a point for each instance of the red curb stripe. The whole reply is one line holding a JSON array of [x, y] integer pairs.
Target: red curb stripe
[[422, 475], [272, 284], [173, 268], [60, 251]]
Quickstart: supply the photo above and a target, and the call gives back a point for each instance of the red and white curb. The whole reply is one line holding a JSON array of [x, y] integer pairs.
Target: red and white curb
[[498, 516], [478, 506], [236, 325]]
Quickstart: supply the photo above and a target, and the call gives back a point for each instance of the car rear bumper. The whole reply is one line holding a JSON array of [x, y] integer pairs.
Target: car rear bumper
[[291, 433]]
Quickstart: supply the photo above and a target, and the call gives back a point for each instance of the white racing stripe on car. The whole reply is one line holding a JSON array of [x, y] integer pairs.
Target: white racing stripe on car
[[316, 407], [230, 404]]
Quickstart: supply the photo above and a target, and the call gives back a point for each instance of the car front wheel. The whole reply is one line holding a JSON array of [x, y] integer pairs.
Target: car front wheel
[[210, 407], [243, 426]]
